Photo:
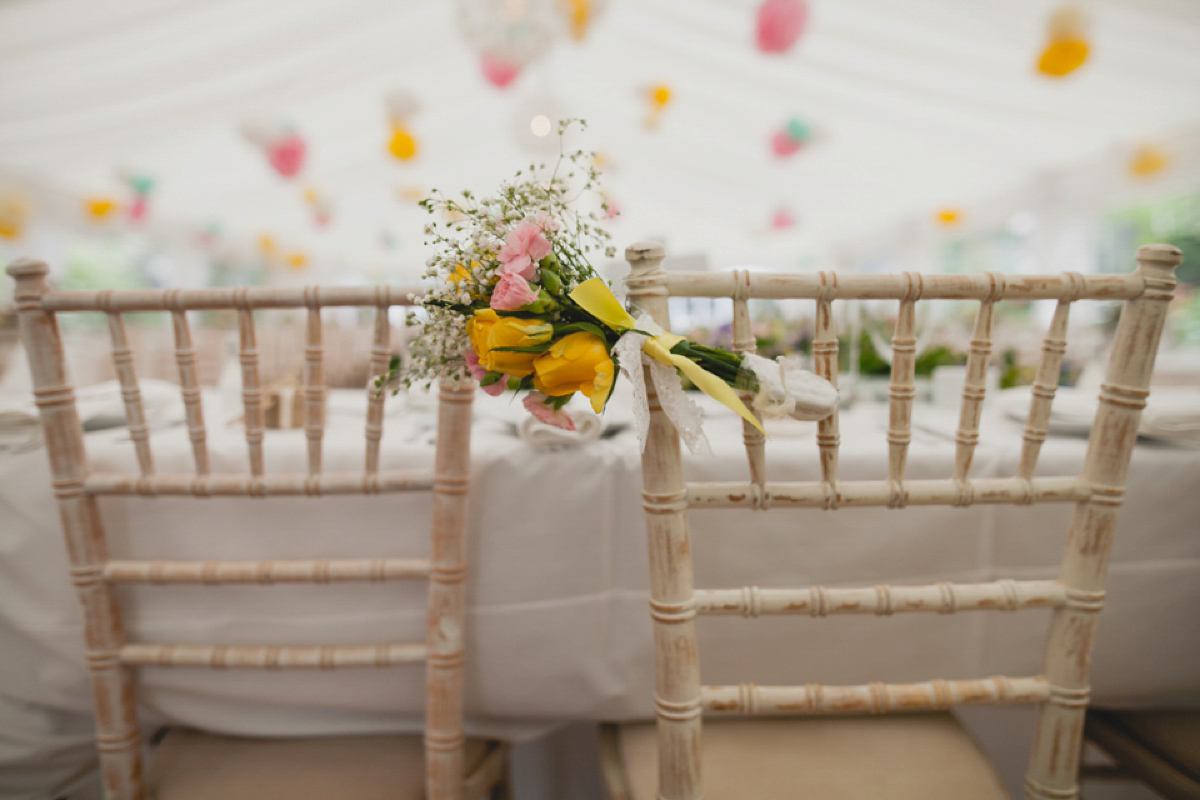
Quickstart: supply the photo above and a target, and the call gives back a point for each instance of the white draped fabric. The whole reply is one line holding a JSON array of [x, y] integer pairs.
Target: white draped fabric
[[917, 105]]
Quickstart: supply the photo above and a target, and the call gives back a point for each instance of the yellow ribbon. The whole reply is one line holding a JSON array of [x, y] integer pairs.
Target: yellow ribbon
[[594, 297]]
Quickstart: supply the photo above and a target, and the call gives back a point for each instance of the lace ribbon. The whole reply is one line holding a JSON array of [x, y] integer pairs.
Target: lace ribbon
[[683, 412]]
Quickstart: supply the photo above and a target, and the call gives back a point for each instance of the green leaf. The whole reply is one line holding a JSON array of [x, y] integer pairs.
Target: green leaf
[[536, 348], [490, 378], [394, 364], [579, 327]]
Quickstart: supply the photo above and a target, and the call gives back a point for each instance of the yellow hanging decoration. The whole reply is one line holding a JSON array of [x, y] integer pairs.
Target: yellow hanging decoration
[[13, 213], [402, 145], [100, 207], [579, 17], [1148, 160], [266, 245], [402, 106], [413, 194], [297, 260], [949, 217], [1067, 48], [659, 96]]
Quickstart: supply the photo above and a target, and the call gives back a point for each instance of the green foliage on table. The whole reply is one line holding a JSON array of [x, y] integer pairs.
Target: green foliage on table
[[871, 364]]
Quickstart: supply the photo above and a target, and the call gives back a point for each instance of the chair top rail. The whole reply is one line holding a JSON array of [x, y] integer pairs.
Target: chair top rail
[[123, 300], [906, 286]]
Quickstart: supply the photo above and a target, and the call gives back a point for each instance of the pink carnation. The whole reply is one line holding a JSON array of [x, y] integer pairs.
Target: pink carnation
[[524, 246], [535, 404], [478, 372], [511, 292]]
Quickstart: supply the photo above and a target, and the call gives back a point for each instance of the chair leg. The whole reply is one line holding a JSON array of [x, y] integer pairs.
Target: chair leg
[[612, 764]]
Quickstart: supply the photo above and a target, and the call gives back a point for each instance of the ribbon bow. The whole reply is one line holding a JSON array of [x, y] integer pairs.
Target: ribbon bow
[[594, 297]]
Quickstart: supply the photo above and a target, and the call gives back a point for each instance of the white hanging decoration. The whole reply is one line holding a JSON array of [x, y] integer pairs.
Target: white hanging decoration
[[515, 32]]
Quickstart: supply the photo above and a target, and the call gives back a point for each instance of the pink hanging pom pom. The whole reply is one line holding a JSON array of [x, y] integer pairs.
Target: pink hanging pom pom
[[138, 208], [499, 73], [782, 219], [783, 145], [780, 23], [287, 155]]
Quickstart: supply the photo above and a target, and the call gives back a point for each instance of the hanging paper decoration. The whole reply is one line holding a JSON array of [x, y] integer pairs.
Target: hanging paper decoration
[[402, 105], [283, 146], [790, 137], [659, 97], [411, 194], [320, 205], [782, 219], [14, 211], [1148, 160], [948, 217], [499, 73], [267, 246], [209, 234], [140, 186], [1067, 47], [99, 207], [297, 260], [512, 33], [779, 24], [580, 14]]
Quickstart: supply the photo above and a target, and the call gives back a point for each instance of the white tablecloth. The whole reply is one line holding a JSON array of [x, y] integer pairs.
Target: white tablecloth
[[558, 623]]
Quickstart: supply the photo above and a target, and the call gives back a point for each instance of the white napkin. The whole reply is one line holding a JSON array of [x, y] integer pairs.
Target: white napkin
[[588, 427], [1170, 413], [161, 401]]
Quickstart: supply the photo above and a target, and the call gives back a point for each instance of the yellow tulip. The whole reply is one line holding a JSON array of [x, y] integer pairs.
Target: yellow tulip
[[578, 362], [488, 330]]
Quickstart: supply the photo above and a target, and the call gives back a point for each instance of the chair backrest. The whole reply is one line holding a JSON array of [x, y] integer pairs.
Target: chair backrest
[[110, 658], [1076, 596]]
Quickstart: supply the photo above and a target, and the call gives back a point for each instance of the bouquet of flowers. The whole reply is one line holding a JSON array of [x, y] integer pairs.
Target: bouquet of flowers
[[515, 304]]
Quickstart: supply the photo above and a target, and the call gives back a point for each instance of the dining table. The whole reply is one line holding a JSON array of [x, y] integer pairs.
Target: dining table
[[558, 627]]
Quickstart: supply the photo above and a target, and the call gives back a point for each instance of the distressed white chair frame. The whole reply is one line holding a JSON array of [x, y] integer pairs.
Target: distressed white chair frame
[[1061, 691], [110, 658]]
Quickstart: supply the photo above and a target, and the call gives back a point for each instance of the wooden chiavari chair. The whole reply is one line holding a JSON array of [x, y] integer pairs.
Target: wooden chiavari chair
[[441, 765], [906, 756]]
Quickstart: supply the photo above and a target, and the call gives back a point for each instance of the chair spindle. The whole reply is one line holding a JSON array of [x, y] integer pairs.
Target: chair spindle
[[131, 395], [252, 393], [1045, 386], [744, 342], [185, 358], [975, 385], [825, 364], [380, 355], [314, 384], [902, 388]]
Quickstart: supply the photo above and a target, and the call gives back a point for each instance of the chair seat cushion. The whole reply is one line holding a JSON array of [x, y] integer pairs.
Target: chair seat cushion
[[1162, 747], [1175, 735], [191, 765], [901, 757]]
